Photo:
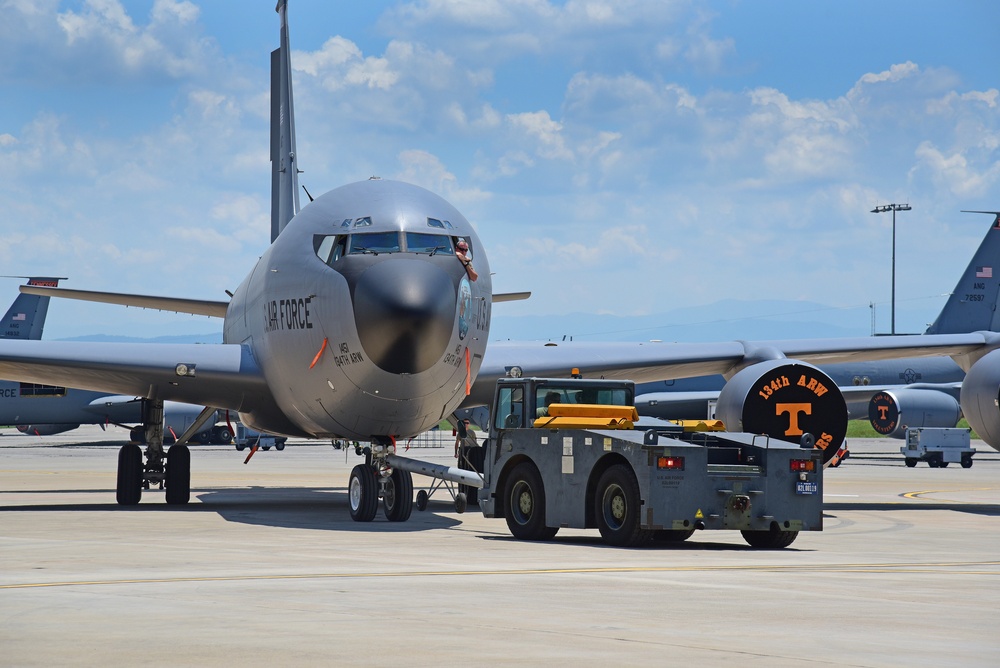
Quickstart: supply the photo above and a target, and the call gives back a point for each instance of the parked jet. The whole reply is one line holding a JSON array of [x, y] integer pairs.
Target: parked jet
[[359, 321], [41, 410], [890, 394]]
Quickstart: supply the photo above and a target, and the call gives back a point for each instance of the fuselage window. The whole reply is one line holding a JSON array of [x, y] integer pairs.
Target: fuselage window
[[428, 243], [375, 242]]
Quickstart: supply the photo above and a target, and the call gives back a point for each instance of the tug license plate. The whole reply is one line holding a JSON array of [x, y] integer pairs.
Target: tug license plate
[[806, 487]]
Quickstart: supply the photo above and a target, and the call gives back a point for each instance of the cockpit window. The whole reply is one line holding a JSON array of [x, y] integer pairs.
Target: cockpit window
[[329, 247], [462, 241], [375, 242], [440, 224], [428, 243], [363, 222]]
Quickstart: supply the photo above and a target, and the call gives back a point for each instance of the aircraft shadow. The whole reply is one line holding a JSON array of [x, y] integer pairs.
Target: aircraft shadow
[[323, 509]]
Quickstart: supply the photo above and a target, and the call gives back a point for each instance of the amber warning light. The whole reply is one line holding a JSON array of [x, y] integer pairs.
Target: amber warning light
[[803, 465], [673, 463]]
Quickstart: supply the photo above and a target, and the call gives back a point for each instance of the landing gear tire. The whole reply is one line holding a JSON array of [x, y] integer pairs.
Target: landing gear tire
[[617, 508], [461, 502], [771, 539], [222, 435], [525, 512], [397, 496], [672, 535], [422, 500], [129, 489], [911, 462], [177, 477], [362, 494]]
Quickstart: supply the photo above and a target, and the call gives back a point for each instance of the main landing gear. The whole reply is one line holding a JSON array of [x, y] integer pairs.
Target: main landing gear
[[169, 470], [375, 480]]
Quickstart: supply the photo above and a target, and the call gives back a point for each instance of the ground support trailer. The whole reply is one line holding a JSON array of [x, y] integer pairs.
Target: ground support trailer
[[639, 485], [938, 446]]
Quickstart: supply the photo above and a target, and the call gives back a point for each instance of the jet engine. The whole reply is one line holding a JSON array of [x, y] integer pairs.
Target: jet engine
[[45, 429], [785, 399], [980, 397], [890, 412]]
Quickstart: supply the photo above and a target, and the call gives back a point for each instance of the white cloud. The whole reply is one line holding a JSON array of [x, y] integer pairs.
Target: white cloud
[[955, 172], [538, 126]]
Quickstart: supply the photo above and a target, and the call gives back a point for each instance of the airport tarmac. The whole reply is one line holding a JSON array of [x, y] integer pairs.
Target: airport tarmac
[[265, 567]]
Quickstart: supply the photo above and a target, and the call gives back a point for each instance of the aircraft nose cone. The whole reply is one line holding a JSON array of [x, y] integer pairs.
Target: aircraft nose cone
[[405, 313]]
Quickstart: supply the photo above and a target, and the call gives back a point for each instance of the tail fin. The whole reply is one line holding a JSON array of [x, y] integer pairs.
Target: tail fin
[[973, 306], [284, 168], [25, 318]]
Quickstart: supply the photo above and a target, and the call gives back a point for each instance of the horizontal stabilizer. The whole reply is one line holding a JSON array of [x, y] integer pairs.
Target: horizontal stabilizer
[[192, 306], [510, 297]]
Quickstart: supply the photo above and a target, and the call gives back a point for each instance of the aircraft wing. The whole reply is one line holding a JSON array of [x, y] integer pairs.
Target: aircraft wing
[[218, 375], [650, 361], [192, 306]]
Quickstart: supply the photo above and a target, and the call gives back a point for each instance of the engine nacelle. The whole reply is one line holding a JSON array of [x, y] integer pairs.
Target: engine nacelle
[[890, 412], [980, 397], [785, 399], [45, 429]]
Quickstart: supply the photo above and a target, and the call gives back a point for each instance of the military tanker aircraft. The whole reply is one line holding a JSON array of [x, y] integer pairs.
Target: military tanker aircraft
[[360, 321]]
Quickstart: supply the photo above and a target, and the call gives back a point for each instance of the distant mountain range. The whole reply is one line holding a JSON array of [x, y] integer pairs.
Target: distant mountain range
[[725, 320]]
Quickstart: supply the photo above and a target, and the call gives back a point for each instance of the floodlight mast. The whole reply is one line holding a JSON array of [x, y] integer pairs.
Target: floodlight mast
[[894, 208]]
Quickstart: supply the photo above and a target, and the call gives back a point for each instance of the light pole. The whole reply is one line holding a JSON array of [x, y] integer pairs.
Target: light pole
[[894, 208]]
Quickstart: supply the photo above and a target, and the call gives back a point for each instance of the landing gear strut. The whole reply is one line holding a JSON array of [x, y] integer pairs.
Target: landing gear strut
[[164, 469], [375, 480]]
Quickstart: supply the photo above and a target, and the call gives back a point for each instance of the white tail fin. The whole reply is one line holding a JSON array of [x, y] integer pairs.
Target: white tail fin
[[284, 167]]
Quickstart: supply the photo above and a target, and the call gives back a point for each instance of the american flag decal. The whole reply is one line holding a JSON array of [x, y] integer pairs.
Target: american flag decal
[[19, 316], [984, 272]]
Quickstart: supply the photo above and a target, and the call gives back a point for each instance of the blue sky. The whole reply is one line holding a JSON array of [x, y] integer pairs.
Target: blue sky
[[616, 157]]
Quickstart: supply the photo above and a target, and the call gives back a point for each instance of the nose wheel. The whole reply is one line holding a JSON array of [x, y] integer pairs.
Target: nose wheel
[[375, 480]]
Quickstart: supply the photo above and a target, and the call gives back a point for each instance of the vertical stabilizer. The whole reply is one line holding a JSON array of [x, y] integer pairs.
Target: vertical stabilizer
[[25, 318], [973, 306], [284, 168]]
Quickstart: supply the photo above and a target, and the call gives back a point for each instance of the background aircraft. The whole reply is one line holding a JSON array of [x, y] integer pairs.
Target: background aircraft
[[359, 322], [39, 409], [891, 394]]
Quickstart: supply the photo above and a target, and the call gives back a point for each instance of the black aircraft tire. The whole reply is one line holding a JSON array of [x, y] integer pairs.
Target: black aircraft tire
[[617, 508], [461, 502], [772, 539], [397, 499], [362, 493], [177, 477], [422, 500], [525, 501], [129, 490]]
